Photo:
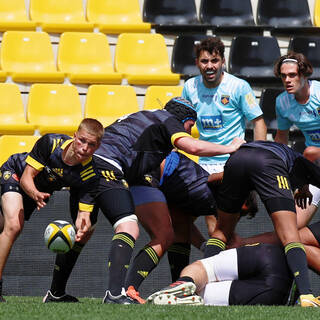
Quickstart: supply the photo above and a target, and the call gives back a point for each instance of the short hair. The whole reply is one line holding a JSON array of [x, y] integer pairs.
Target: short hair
[[304, 65], [210, 44], [93, 126]]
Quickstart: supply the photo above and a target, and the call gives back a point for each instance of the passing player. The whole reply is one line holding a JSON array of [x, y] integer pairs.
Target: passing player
[[28, 180]]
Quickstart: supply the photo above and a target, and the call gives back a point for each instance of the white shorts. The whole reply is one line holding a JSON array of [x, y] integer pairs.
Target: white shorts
[[221, 269], [316, 195], [213, 168]]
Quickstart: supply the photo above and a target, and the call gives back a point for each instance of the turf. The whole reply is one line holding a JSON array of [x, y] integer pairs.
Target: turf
[[29, 308]]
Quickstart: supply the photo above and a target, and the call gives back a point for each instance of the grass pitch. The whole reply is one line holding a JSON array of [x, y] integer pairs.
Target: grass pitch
[[29, 308]]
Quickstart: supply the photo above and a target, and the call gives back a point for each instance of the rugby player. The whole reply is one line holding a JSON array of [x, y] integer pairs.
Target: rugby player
[[28, 180]]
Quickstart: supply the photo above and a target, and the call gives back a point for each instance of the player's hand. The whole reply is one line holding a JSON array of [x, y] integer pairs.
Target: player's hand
[[83, 225], [303, 197], [39, 198], [237, 142]]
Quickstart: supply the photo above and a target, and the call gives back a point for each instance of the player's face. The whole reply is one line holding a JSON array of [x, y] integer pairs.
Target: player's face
[[188, 125], [85, 144], [292, 81], [211, 68]]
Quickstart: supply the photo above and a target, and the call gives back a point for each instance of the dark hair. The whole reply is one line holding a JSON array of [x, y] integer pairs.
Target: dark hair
[[210, 44], [304, 66], [93, 126], [182, 109]]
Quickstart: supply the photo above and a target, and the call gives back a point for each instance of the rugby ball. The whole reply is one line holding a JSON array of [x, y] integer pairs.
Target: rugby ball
[[59, 236]]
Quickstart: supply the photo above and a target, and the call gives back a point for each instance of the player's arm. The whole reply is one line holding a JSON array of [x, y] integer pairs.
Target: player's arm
[[28, 186], [83, 225], [282, 136], [215, 178], [205, 148], [260, 129]]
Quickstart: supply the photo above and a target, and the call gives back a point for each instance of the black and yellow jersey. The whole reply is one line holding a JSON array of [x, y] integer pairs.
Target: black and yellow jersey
[[138, 142], [46, 157]]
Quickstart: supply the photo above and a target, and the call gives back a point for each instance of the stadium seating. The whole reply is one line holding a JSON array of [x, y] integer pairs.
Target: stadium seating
[[54, 108], [229, 17], [310, 47], [316, 13], [85, 58], [57, 16], [157, 96], [12, 116], [114, 17], [285, 17], [253, 58], [27, 56], [107, 103], [172, 16], [183, 59], [143, 59], [13, 16], [10, 144]]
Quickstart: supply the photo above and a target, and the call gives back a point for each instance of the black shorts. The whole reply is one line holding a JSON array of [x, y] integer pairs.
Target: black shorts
[[264, 277], [113, 196], [255, 169]]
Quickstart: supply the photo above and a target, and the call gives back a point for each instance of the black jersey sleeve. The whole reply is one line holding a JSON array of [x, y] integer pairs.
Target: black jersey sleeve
[[175, 129]]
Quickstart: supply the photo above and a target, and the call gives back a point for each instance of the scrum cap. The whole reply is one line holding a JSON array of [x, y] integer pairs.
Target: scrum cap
[[182, 109]]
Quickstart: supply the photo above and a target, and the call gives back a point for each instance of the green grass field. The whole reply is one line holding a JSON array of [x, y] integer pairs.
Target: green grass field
[[28, 308]]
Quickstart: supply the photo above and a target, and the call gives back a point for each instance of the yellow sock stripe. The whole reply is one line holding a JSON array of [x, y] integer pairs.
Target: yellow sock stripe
[[179, 249], [217, 243], [152, 254], [124, 238], [293, 245]]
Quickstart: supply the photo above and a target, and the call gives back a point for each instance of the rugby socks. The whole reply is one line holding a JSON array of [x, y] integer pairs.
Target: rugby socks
[[144, 262], [121, 251], [178, 257], [213, 247], [297, 262], [63, 267]]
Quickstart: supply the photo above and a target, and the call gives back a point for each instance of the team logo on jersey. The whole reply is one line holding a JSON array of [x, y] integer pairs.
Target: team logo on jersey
[[225, 99], [318, 110], [109, 175], [251, 101], [6, 175], [125, 183], [314, 135], [58, 171], [211, 122]]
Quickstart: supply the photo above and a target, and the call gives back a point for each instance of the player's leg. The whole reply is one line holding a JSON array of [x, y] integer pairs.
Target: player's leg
[[152, 212], [64, 263], [13, 213]]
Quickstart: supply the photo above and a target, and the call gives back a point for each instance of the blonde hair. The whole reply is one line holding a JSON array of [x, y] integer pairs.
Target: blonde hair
[[93, 126]]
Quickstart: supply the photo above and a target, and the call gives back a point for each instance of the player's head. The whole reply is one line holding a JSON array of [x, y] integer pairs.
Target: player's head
[[87, 138], [183, 110], [293, 69], [210, 60]]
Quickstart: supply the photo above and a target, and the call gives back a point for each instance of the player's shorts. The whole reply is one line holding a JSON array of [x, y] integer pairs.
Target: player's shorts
[[255, 169], [112, 194], [213, 168], [144, 194], [315, 229], [249, 275]]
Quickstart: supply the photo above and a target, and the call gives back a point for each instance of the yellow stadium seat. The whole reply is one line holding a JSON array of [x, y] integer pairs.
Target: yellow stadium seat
[[13, 16], [316, 13], [10, 144], [27, 56], [58, 16], [107, 103], [143, 59], [12, 117], [114, 17], [86, 58], [157, 96], [54, 108]]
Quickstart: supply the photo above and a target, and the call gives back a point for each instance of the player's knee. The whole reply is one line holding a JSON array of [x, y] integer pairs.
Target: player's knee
[[128, 224], [12, 229]]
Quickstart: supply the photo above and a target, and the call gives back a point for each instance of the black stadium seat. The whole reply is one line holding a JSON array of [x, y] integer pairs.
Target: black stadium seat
[[285, 17], [229, 16], [183, 55], [310, 47], [172, 16], [253, 58]]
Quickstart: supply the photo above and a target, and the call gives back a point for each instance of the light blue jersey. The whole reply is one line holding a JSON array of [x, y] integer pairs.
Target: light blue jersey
[[305, 116], [222, 110]]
